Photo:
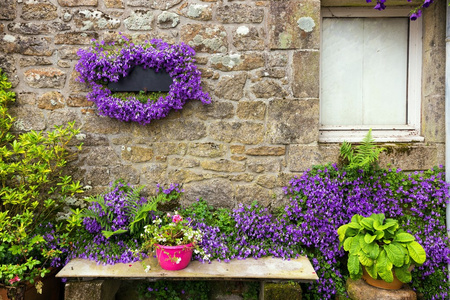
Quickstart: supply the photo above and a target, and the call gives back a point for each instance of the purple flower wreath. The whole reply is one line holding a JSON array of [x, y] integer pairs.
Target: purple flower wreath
[[108, 63]]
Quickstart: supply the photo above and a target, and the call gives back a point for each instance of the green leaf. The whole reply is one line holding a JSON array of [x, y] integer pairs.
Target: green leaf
[[348, 243], [395, 254], [403, 274], [404, 237], [373, 250], [354, 268], [372, 271], [367, 223], [341, 232], [364, 259], [108, 234], [416, 252], [355, 245], [368, 238]]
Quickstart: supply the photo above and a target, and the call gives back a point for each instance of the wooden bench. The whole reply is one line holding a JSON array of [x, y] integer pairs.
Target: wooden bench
[[265, 269]]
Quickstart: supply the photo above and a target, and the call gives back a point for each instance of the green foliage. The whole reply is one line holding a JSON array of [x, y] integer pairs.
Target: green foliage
[[362, 157], [33, 189], [142, 96], [381, 247], [175, 290]]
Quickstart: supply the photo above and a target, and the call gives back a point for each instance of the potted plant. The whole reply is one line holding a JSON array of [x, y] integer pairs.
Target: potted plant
[[380, 249], [174, 240]]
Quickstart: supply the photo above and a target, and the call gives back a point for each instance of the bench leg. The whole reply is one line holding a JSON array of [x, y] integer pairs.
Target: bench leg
[[261, 290], [91, 290]]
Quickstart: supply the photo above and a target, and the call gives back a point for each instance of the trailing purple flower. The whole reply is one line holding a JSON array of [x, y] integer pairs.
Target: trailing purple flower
[[102, 64]]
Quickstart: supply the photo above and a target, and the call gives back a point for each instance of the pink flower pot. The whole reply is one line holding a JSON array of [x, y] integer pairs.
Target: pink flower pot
[[174, 257]]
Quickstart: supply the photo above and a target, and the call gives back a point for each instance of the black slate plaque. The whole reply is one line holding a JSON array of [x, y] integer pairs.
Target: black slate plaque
[[140, 79]]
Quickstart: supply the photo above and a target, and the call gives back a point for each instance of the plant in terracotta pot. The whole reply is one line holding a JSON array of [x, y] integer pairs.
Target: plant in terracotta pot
[[378, 247], [173, 239]]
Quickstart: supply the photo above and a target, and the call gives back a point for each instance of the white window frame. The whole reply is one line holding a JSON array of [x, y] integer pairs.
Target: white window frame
[[398, 133]]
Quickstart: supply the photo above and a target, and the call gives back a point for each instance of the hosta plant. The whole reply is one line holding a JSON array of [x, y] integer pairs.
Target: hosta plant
[[381, 247]]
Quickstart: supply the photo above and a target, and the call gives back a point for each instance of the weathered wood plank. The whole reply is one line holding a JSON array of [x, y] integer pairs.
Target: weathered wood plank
[[266, 268]]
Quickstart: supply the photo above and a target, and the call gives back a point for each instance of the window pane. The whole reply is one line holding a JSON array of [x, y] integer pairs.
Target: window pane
[[364, 71]]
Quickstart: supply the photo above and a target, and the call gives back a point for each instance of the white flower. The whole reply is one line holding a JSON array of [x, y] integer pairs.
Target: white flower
[[178, 260], [147, 268]]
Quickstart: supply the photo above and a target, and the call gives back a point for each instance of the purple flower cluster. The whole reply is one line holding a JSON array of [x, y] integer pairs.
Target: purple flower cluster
[[100, 65], [414, 14], [256, 233], [325, 198]]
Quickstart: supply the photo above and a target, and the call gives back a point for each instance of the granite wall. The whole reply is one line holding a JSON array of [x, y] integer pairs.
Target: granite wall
[[260, 64]]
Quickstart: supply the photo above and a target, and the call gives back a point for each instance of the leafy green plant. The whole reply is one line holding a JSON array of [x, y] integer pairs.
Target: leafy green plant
[[33, 189], [363, 156], [381, 247]]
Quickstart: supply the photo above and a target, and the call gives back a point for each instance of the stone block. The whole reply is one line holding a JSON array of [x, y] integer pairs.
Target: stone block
[[185, 176], [306, 73], [215, 110], [39, 11], [51, 101], [231, 87], [275, 72], [136, 154], [27, 119], [293, 121], [205, 38], [237, 62], [181, 162], [91, 290], [75, 38], [246, 38], [78, 101], [251, 110], [154, 173], [237, 149], [242, 132], [167, 20], [247, 193], [239, 13], [217, 192], [303, 157], [8, 65], [266, 151], [74, 3], [183, 130], [410, 156], [210, 150], [433, 33], [196, 11], [8, 10], [277, 59], [62, 117], [68, 52], [267, 181], [34, 61], [90, 19], [75, 86], [99, 156], [264, 164], [282, 291], [268, 88], [47, 77], [26, 45], [360, 290], [101, 125], [169, 148], [433, 76], [126, 172], [37, 28], [25, 98], [433, 119], [139, 20], [114, 4], [294, 24], [222, 165]]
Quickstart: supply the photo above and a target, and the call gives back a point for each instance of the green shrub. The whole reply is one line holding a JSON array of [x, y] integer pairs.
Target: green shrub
[[33, 189]]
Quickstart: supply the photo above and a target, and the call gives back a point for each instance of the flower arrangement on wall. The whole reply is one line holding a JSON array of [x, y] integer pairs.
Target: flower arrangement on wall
[[109, 62]]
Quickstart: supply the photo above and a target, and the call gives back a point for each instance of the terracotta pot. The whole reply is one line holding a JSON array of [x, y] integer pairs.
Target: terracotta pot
[[50, 290], [396, 284], [174, 257]]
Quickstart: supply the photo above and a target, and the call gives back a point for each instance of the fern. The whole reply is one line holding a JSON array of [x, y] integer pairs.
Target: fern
[[364, 156]]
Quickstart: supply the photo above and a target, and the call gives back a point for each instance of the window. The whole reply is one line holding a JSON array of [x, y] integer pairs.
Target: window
[[370, 75]]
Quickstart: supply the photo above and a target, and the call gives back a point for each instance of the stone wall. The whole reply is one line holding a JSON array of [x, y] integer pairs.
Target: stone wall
[[260, 64]]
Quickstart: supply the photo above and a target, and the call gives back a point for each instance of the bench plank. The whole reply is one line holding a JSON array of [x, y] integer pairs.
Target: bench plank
[[266, 268]]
